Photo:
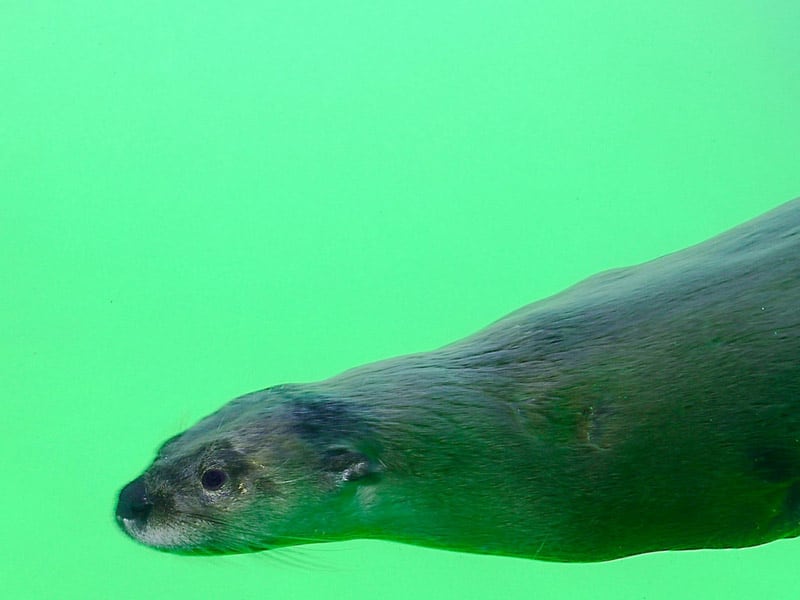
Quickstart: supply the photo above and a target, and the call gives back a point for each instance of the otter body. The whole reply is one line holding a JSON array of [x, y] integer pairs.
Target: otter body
[[650, 408]]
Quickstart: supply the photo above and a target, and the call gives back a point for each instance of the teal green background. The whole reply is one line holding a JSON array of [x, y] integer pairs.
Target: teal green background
[[202, 199]]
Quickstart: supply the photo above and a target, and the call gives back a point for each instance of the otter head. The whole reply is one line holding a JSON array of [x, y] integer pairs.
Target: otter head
[[273, 468]]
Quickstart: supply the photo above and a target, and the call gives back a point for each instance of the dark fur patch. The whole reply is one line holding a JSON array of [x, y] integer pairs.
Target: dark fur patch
[[776, 465], [324, 420]]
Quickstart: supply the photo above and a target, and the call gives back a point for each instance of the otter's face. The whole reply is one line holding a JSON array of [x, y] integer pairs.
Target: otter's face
[[244, 487]]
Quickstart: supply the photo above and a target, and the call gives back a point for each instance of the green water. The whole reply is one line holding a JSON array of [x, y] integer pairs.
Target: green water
[[202, 199]]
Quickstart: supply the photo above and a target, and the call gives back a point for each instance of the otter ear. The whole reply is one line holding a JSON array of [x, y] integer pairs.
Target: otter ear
[[350, 465]]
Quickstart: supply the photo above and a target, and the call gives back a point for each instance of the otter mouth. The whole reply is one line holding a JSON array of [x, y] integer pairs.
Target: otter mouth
[[171, 539], [137, 516], [134, 508]]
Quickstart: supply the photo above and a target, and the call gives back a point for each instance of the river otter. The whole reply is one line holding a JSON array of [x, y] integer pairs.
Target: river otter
[[649, 408]]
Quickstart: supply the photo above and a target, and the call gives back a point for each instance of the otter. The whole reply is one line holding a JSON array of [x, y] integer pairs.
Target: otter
[[648, 408]]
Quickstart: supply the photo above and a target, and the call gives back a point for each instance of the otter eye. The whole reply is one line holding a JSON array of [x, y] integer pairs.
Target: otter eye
[[213, 479]]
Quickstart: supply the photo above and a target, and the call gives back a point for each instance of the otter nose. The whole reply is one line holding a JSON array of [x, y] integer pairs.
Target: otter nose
[[133, 503]]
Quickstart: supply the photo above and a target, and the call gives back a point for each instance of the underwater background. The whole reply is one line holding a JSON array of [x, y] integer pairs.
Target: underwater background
[[198, 200]]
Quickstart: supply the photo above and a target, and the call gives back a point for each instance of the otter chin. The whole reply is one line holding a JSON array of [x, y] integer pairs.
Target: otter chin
[[655, 407]]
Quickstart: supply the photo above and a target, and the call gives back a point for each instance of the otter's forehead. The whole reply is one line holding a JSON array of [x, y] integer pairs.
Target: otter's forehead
[[186, 445], [204, 444], [253, 413], [310, 416]]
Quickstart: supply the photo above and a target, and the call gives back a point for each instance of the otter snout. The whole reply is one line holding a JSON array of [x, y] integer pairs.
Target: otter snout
[[133, 506]]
